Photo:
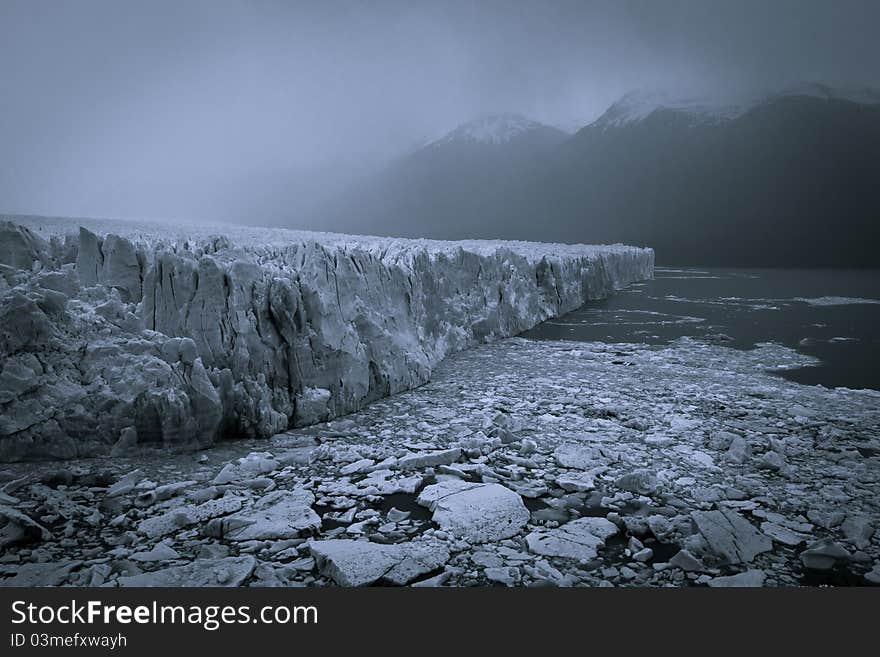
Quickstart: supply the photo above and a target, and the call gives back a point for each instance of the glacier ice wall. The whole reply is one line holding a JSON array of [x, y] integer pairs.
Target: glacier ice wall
[[175, 335]]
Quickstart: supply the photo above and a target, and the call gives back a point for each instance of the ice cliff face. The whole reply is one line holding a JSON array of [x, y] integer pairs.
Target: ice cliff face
[[126, 333]]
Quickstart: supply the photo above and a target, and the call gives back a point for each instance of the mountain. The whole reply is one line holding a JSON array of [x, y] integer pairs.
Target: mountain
[[789, 179], [636, 106], [500, 129], [441, 189], [639, 105]]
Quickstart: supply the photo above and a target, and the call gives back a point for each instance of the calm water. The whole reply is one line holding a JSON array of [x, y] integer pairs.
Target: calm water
[[833, 315]]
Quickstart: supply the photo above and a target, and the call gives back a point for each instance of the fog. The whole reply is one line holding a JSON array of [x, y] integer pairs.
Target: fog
[[258, 111]]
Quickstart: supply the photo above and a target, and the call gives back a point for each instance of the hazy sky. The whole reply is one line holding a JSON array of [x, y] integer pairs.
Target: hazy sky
[[188, 109]]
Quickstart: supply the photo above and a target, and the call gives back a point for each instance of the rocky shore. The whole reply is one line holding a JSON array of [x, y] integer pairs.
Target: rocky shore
[[520, 463]]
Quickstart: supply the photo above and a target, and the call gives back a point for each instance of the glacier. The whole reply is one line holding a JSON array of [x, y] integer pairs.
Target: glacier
[[114, 333]]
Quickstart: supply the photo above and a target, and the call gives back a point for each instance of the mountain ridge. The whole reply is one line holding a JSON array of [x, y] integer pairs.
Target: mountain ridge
[[701, 183]]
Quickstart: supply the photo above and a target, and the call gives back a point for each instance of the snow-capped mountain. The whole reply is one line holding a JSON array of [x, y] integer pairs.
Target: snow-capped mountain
[[639, 105], [730, 183], [701, 181], [452, 181], [500, 128]]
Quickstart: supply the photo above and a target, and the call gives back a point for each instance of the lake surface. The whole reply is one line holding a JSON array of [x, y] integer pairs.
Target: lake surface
[[833, 315]]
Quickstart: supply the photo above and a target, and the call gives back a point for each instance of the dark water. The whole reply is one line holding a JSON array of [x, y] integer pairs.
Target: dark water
[[833, 315]]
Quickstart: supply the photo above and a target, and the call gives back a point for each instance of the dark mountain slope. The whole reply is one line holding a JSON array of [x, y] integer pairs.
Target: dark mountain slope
[[790, 181]]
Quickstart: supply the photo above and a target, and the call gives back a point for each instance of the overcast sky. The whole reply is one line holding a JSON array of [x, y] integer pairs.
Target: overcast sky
[[155, 108]]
